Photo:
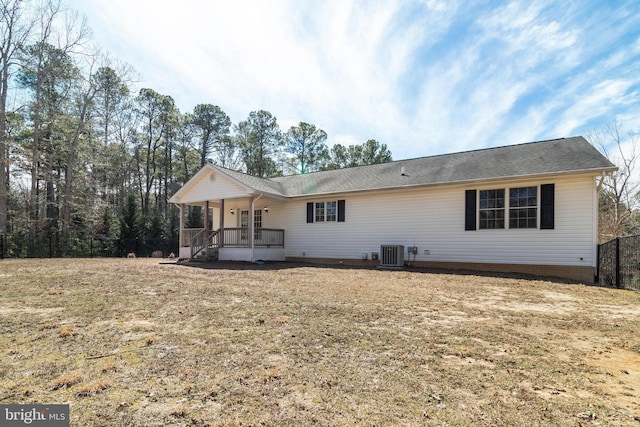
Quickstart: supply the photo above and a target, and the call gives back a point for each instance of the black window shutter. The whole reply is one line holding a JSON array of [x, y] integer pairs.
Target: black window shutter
[[547, 208], [340, 210], [309, 212], [470, 210]]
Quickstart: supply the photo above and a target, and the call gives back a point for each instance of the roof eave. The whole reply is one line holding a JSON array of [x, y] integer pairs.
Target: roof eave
[[593, 172]]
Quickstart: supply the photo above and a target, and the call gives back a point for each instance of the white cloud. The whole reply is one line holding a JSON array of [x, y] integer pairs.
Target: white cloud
[[423, 77]]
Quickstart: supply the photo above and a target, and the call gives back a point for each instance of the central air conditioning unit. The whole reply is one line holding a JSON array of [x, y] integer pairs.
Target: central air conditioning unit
[[391, 256]]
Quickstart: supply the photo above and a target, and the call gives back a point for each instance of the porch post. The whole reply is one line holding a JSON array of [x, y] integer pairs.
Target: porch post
[[206, 218], [221, 222], [181, 233], [251, 230]]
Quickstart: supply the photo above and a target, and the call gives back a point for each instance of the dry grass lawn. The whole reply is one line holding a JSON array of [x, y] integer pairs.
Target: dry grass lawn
[[146, 343]]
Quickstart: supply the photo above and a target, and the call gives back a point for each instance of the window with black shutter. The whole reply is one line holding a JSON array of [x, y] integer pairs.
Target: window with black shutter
[[470, 210], [341, 208], [519, 212], [310, 212], [329, 211], [547, 206]]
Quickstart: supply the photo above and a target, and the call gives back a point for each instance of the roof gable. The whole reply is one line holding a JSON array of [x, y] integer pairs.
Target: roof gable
[[211, 183]]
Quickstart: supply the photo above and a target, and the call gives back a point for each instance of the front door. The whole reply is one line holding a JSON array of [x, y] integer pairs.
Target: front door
[[244, 224]]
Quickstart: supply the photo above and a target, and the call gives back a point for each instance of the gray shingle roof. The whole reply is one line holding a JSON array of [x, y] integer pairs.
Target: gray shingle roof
[[557, 156], [263, 185]]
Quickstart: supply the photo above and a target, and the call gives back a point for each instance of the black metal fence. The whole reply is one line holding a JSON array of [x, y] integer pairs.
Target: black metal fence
[[48, 246], [619, 263]]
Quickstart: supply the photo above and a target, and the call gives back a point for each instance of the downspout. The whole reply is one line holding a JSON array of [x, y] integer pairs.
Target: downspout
[[252, 224]]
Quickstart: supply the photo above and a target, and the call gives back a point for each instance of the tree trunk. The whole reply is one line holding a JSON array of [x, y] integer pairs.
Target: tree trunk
[[35, 173], [4, 154], [67, 198]]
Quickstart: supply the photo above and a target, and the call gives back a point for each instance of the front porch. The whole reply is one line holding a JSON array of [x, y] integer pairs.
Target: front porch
[[232, 244], [222, 217]]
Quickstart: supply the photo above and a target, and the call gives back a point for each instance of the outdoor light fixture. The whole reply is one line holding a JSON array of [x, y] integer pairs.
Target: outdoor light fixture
[[266, 209], [232, 211]]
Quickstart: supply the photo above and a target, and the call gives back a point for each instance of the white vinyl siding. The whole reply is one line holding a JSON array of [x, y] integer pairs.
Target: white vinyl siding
[[432, 219]]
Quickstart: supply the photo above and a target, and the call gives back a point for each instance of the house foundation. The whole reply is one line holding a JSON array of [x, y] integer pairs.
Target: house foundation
[[581, 274]]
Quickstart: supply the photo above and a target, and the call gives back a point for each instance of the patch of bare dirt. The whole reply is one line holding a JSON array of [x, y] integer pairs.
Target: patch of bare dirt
[[8, 311]]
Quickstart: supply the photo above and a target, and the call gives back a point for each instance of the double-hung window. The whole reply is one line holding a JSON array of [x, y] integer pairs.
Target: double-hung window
[[319, 212], [332, 212], [326, 211], [491, 209], [523, 207]]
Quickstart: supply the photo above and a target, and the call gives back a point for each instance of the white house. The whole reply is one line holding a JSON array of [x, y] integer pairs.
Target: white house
[[528, 208]]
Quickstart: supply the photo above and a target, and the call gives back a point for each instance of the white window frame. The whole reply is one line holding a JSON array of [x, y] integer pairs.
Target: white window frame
[[319, 211], [492, 208], [524, 198], [331, 214]]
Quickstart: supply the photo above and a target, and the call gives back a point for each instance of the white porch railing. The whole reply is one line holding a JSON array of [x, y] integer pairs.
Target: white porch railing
[[188, 235], [264, 238], [234, 238]]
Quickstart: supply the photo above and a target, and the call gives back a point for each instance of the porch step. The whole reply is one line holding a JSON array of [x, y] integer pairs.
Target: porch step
[[211, 254]]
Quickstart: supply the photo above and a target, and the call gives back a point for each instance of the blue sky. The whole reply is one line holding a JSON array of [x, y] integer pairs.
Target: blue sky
[[422, 76]]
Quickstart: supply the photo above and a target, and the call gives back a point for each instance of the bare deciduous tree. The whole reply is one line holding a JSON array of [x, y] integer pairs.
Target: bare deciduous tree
[[619, 190], [14, 31]]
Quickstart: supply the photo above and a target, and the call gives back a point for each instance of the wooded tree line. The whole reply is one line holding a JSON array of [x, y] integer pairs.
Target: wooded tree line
[[85, 152]]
